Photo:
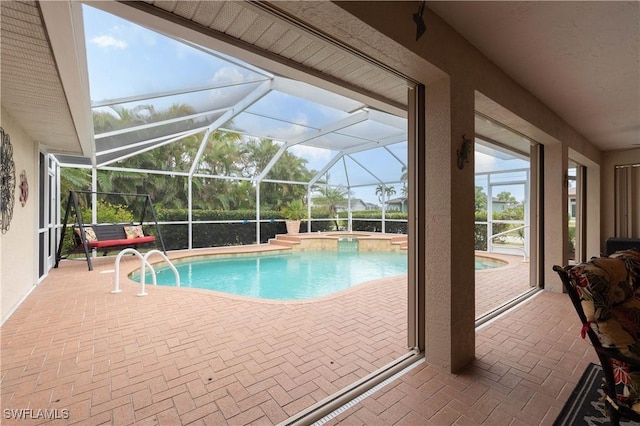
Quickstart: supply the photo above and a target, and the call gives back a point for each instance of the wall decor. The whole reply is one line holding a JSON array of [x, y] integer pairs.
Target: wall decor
[[7, 181], [464, 153], [419, 20], [24, 188]]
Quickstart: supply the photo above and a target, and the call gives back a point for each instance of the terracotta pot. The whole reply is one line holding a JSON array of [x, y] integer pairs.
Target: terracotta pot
[[293, 226]]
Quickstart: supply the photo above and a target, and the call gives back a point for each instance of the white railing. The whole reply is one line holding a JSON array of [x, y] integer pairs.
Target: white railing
[[144, 261], [524, 251]]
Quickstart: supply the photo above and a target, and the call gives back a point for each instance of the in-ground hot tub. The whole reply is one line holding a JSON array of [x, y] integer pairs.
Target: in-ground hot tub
[[367, 241]]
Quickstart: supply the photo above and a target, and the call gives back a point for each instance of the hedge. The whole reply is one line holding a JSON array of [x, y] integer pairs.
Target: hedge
[[481, 229], [243, 231]]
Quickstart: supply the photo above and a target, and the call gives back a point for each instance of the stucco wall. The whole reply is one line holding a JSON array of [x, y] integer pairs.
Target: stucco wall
[[19, 251], [607, 208], [375, 28], [444, 48]]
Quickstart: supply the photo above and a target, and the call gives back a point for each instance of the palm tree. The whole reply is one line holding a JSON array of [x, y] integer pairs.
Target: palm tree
[[481, 199], [74, 179], [289, 167], [331, 198], [404, 177], [387, 190]]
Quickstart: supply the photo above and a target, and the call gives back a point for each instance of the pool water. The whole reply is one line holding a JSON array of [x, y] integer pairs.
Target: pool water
[[290, 276], [488, 263]]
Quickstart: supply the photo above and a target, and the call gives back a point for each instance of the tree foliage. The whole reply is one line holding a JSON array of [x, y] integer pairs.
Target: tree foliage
[[481, 199], [225, 154]]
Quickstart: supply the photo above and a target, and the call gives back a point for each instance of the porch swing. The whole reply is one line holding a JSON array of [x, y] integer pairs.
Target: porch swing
[[105, 237]]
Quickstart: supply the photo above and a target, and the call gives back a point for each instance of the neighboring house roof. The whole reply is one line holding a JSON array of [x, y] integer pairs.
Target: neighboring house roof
[[399, 200]]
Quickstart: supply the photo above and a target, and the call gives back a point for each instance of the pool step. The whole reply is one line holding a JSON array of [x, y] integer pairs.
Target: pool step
[[402, 241], [284, 240]]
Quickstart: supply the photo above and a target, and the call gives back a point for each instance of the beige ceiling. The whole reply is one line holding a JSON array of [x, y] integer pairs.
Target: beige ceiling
[[580, 58]]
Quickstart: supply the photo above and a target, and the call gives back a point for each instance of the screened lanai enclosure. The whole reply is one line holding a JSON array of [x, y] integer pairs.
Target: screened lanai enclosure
[[221, 145]]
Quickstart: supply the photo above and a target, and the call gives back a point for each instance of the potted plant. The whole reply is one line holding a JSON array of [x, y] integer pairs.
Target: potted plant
[[293, 212]]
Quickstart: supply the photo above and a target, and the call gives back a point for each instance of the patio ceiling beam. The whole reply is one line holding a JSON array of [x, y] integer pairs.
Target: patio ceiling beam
[[388, 119], [337, 157], [159, 123], [167, 93], [325, 169], [337, 125], [255, 95], [124, 157], [395, 156], [148, 141], [332, 128], [227, 58], [390, 140], [222, 177], [346, 174], [366, 169], [320, 96], [134, 170], [292, 182], [272, 162]]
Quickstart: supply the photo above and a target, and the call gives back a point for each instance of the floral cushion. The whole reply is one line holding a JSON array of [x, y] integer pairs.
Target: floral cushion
[[134, 231], [622, 330], [89, 233], [601, 283], [610, 296], [632, 260]]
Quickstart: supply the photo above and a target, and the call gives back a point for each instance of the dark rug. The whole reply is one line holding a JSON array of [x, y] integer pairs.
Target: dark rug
[[585, 406]]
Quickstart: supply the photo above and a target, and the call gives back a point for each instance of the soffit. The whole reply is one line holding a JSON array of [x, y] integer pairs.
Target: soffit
[[276, 36], [32, 91]]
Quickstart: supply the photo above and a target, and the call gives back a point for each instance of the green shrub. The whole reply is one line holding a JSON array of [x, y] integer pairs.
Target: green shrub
[[106, 213], [242, 230], [373, 222], [481, 229], [109, 213], [572, 237]]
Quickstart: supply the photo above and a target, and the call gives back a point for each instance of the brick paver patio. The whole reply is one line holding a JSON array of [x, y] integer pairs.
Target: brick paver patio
[[187, 356]]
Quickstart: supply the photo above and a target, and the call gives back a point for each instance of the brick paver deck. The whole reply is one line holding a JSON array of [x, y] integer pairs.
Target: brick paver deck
[[186, 356], [527, 364]]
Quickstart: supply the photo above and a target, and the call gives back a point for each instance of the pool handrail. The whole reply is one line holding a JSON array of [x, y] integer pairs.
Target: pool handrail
[[143, 263], [153, 272], [524, 251]]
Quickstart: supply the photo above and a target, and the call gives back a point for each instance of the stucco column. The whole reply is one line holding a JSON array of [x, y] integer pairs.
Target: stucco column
[[450, 278], [556, 213]]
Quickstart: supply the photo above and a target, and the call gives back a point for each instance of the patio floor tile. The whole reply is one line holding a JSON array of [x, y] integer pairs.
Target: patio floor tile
[[198, 357]]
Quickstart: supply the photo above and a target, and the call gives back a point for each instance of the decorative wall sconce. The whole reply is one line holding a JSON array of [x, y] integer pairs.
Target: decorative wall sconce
[[418, 19], [24, 188], [464, 153]]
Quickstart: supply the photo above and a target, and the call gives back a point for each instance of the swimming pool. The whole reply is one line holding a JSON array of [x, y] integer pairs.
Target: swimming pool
[[483, 263], [286, 276], [293, 275]]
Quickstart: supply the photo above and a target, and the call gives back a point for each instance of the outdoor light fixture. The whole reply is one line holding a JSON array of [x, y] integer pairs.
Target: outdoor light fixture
[[417, 18]]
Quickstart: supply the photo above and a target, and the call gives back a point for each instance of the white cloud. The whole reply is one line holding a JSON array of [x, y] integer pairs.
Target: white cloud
[[228, 75], [107, 41]]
